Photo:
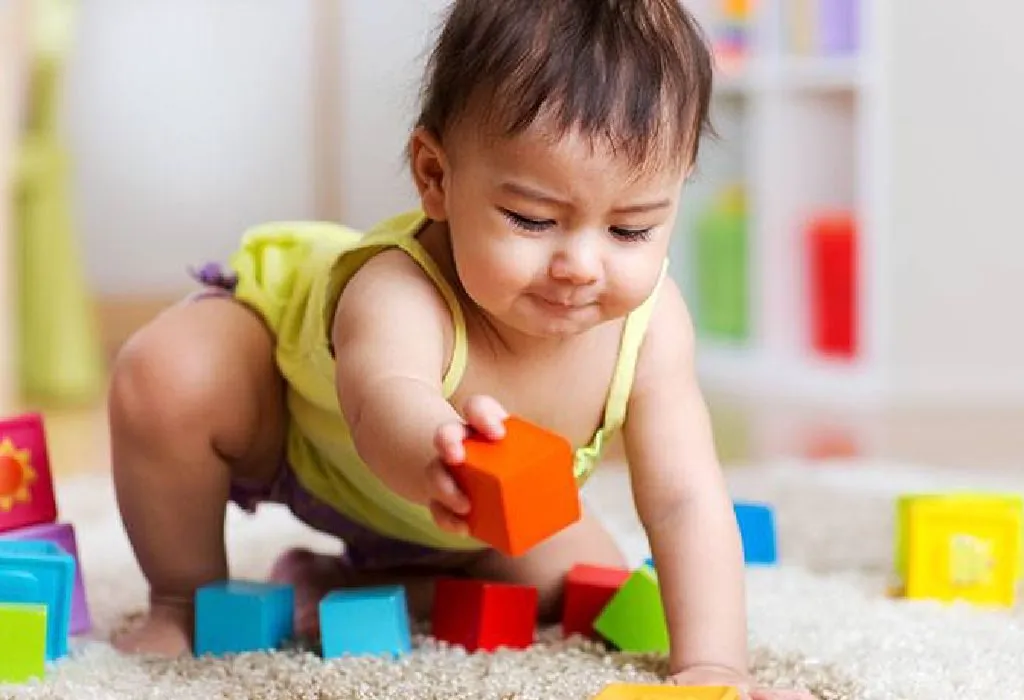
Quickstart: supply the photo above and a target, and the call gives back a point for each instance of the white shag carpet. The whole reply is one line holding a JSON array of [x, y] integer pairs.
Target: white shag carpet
[[820, 620]]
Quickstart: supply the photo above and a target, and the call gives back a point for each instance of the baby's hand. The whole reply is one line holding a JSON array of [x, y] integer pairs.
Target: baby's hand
[[448, 504], [717, 675]]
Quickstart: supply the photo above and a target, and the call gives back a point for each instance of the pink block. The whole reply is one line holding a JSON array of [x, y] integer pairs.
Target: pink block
[[26, 485], [63, 535]]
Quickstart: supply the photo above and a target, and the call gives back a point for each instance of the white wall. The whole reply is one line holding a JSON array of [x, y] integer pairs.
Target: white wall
[[384, 46], [188, 121], [956, 238]]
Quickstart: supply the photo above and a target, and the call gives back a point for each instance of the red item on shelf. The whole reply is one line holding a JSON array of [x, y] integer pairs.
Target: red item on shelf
[[832, 247]]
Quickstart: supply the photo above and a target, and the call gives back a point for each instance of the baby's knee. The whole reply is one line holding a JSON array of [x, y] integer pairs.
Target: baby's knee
[[161, 384]]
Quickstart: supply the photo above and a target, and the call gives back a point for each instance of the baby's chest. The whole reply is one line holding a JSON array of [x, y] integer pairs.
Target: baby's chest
[[566, 394]]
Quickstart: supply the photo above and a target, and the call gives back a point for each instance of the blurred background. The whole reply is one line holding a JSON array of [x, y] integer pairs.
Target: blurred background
[[850, 244]]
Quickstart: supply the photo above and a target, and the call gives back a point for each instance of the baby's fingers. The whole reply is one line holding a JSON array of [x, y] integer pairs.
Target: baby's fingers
[[767, 694], [485, 415], [447, 520], [448, 443], [444, 490]]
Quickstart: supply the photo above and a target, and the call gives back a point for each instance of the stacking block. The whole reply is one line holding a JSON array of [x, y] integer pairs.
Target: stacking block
[[959, 547], [587, 591], [757, 528], [239, 616], [627, 691], [40, 573], [22, 642], [521, 488], [365, 621], [634, 619], [26, 486], [482, 615], [63, 535]]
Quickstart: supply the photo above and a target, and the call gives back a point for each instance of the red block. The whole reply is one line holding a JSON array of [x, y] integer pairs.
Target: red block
[[26, 486], [832, 244], [587, 591], [484, 615]]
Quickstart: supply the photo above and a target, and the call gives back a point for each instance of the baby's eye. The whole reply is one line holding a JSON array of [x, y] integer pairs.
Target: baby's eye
[[632, 234], [526, 223]]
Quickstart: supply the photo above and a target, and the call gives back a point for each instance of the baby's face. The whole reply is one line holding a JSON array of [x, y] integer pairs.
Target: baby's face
[[552, 237]]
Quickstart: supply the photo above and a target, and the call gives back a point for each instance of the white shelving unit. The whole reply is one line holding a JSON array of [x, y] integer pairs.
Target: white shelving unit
[[918, 134], [796, 131]]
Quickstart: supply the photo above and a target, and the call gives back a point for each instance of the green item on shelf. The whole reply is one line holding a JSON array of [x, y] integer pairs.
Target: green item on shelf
[[59, 352], [634, 619], [22, 642], [721, 269]]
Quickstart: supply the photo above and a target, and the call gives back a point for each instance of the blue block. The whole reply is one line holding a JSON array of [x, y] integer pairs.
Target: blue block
[[40, 573], [757, 528], [238, 616], [365, 621]]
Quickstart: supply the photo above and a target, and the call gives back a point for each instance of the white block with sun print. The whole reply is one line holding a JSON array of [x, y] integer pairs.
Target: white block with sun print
[[26, 485]]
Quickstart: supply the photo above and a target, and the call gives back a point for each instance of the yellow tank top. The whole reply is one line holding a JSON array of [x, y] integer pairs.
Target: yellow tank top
[[292, 274]]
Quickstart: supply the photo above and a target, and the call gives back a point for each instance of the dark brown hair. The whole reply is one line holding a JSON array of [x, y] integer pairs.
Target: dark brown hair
[[635, 73]]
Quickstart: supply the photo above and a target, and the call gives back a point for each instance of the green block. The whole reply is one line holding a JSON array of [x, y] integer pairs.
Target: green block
[[22, 642], [634, 619]]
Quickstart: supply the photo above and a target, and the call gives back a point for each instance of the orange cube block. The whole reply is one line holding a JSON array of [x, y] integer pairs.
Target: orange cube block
[[626, 691], [521, 488]]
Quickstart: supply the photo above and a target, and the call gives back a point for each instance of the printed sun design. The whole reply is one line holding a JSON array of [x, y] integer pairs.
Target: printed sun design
[[16, 475]]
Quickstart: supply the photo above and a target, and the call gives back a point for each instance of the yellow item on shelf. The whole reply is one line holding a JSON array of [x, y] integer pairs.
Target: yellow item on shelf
[[737, 10], [960, 547]]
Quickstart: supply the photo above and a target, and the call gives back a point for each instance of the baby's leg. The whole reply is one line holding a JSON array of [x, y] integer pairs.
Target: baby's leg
[[195, 400], [545, 566]]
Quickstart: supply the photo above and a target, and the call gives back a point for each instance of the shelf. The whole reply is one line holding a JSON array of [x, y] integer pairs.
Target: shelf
[[790, 73], [739, 370]]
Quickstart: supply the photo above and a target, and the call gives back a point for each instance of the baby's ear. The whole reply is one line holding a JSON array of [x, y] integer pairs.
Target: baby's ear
[[429, 166]]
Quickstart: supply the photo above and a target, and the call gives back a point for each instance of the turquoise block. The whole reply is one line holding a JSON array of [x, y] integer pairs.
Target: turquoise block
[[233, 617], [365, 621], [757, 528], [40, 573]]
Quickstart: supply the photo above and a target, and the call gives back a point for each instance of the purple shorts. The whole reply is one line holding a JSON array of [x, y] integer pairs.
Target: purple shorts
[[364, 548]]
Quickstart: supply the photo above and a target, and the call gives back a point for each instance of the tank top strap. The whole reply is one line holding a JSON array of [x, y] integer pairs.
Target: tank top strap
[[633, 335], [400, 232], [460, 342]]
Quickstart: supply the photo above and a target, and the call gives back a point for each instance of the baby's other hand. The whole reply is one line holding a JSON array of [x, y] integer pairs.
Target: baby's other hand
[[715, 675], [483, 415]]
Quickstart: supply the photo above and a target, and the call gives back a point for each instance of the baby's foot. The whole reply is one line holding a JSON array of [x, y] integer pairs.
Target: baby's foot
[[313, 576], [165, 631]]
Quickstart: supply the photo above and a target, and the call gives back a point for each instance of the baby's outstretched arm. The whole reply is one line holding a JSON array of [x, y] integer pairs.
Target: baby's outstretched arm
[[392, 336]]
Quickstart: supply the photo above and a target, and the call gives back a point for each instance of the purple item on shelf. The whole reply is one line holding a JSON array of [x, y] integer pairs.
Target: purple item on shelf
[[63, 535], [838, 25]]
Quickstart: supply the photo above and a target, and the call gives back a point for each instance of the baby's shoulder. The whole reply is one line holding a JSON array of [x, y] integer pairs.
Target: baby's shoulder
[[391, 286], [669, 339]]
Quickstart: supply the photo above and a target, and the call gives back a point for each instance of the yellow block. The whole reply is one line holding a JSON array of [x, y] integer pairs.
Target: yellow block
[[960, 547], [625, 691]]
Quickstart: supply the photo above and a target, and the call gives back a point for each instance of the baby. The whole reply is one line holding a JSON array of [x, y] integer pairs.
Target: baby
[[338, 372]]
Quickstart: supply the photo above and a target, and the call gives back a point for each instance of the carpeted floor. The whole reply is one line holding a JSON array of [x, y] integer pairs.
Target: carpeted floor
[[820, 620]]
